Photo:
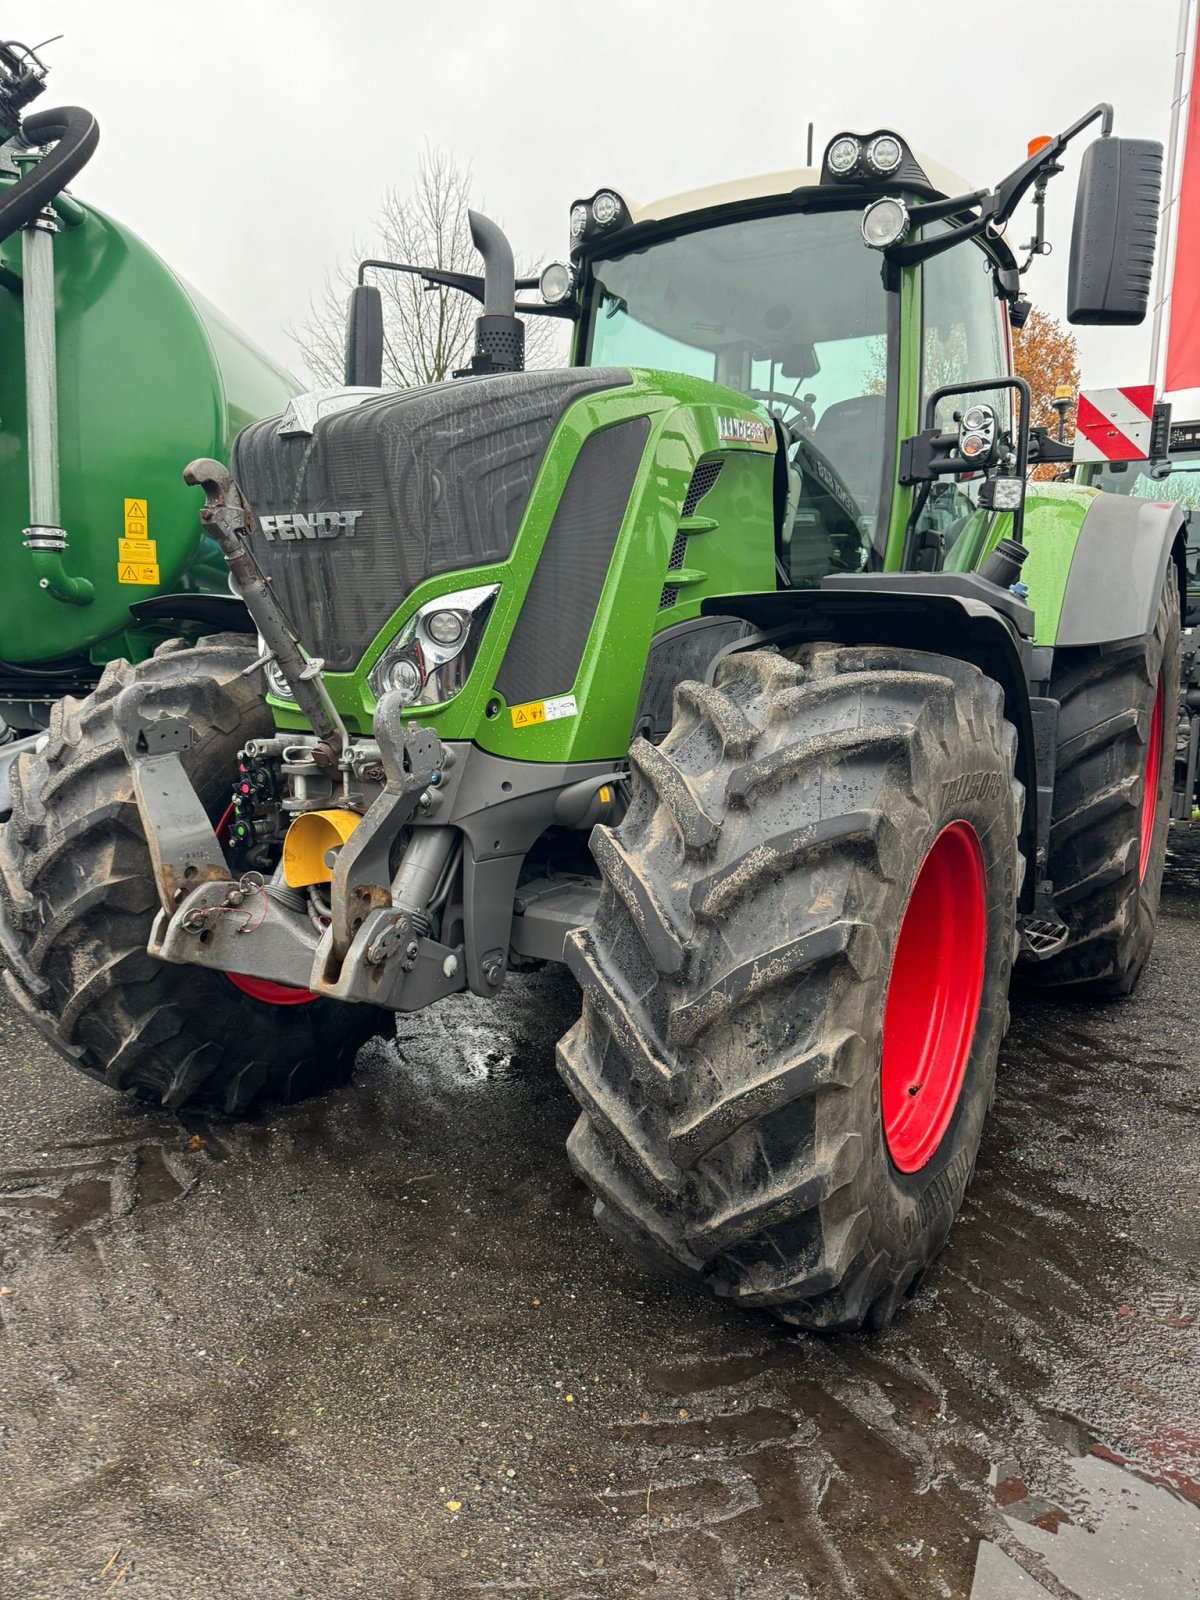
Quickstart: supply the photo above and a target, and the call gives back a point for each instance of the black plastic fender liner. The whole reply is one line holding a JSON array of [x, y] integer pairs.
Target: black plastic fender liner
[[951, 624], [1118, 568], [75, 134], [223, 613]]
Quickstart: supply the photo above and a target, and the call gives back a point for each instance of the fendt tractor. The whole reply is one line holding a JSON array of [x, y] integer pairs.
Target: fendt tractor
[[736, 664], [112, 369]]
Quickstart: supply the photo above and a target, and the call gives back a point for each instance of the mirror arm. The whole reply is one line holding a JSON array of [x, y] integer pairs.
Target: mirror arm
[[433, 276], [996, 206], [531, 308]]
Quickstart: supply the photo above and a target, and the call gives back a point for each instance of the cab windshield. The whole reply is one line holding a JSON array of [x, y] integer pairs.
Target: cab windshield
[[790, 310]]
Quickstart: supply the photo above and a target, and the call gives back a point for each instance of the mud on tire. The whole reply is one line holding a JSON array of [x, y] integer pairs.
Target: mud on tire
[[727, 1061], [1103, 891], [77, 899]]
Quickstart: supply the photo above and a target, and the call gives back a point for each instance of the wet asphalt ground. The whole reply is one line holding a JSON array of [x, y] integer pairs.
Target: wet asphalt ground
[[375, 1346]]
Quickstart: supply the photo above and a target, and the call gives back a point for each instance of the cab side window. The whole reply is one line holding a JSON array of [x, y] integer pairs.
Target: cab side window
[[963, 338]]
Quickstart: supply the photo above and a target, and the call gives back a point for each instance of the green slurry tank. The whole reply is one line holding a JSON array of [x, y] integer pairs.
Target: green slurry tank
[[112, 369]]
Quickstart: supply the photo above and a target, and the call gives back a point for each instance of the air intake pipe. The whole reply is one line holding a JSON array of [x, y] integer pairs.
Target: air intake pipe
[[499, 332]]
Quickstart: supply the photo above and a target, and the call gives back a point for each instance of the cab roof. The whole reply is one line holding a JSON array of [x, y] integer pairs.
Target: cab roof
[[769, 186]]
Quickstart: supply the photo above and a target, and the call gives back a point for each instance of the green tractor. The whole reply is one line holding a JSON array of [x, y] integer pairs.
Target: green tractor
[[737, 665], [112, 369]]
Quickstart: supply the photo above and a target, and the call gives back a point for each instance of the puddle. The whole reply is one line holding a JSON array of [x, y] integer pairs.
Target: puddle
[[1121, 1534], [54, 1203], [289, 1350]]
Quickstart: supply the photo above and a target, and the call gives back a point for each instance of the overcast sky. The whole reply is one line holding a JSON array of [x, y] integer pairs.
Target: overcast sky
[[249, 142]]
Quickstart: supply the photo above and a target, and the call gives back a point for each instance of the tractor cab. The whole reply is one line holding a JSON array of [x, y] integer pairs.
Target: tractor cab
[[775, 287]]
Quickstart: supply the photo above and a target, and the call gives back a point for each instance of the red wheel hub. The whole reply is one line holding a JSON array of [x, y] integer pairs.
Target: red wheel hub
[[261, 989], [1151, 779], [933, 996]]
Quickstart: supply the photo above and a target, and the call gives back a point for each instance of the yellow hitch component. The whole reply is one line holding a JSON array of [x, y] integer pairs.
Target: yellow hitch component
[[309, 840]]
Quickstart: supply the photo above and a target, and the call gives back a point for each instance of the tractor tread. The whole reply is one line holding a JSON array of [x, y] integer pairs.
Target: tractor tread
[[1106, 698], [77, 900], [726, 1056]]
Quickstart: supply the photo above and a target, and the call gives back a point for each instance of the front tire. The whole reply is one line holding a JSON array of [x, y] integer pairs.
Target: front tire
[[77, 900], [755, 1025]]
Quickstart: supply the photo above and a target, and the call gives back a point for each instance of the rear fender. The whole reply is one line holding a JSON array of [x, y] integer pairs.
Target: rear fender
[[952, 625]]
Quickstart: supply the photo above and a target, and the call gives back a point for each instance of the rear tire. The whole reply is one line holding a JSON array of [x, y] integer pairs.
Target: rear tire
[[729, 1062], [1106, 871], [77, 899]]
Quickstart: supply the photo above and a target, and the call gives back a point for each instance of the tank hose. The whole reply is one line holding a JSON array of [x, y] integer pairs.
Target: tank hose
[[74, 133]]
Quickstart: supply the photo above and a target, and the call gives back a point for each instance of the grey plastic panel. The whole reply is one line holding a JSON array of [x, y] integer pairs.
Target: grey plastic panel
[[1117, 570]]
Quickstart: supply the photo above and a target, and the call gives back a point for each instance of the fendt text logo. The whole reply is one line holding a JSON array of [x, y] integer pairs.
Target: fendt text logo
[[286, 526]]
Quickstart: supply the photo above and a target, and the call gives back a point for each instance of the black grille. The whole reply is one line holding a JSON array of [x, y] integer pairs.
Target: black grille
[[703, 478], [556, 615], [440, 476]]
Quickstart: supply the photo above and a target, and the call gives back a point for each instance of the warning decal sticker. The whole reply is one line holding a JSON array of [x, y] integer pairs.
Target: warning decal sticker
[[535, 711], [137, 552]]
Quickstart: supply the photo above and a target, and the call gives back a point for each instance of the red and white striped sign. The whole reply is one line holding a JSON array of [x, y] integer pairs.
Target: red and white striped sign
[[1114, 424]]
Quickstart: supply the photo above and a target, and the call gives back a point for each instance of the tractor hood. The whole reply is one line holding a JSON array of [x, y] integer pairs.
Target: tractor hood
[[360, 504]]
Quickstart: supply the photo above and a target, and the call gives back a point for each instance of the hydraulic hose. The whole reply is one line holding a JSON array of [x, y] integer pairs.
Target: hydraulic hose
[[74, 134]]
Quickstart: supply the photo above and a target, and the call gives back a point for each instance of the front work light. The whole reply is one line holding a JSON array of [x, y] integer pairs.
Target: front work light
[[843, 154], [884, 153], [606, 208], [555, 283], [1002, 494], [884, 223]]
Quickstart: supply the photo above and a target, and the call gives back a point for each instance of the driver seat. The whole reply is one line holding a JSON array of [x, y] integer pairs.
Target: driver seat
[[850, 435]]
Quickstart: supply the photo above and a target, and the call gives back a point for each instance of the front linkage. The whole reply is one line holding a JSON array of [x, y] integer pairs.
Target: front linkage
[[366, 946]]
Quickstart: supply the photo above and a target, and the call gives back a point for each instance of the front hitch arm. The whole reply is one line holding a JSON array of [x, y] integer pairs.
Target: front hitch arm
[[226, 517]]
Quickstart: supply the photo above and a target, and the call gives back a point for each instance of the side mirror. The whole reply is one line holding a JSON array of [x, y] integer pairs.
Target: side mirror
[[1112, 240], [364, 337]]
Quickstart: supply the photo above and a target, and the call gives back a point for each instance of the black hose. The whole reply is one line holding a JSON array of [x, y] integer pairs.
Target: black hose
[[74, 133]]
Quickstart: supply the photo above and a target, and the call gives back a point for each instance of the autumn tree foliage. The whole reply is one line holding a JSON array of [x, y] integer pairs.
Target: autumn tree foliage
[[1045, 354]]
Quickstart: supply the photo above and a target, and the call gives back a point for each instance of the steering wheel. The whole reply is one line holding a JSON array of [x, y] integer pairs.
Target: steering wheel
[[801, 404]]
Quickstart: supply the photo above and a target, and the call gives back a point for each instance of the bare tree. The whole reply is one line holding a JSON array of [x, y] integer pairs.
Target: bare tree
[[428, 333]]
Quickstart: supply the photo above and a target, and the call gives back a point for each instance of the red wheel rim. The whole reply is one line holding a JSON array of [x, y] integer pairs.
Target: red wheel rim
[[261, 989], [1150, 782], [933, 996]]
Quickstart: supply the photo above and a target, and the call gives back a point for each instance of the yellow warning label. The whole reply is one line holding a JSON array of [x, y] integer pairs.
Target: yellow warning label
[[137, 572], [525, 716], [534, 711], [137, 551], [137, 523]]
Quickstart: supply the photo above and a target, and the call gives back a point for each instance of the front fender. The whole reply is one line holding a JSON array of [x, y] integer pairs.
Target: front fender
[[1117, 570], [872, 611]]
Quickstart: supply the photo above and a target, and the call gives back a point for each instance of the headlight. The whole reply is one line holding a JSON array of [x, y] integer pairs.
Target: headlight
[[884, 222], [555, 283], [579, 221], [276, 682], [843, 154], [430, 659], [445, 627]]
